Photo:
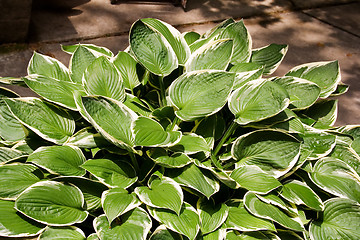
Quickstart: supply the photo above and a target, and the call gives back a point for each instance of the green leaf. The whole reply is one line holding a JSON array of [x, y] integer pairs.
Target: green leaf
[[58, 125], [52, 203], [340, 90], [150, 133], [10, 128], [49, 67], [254, 179], [270, 212], [319, 143], [336, 177], [162, 193], [257, 100], [246, 72], [186, 223], [61, 93], [275, 152], [87, 138], [173, 36], [353, 131], [191, 176], [96, 50], [212, 216], [273, 199], [270, 56], [138, 106], [152, 50], [324, 112], [303, 93], [300, 193], [190, 144], [134, 225], [211, 129], [219, 234], [79, 61], [103, 79], [340, 220], [191, 37], [347, 155], [7, 154], [62, 160], [200, 93], [70, 233], [91, 189], [161, 233], [240, 219], [242, 41], [111, 118], [176, 160], [118, 201], [325, 74], [253, 236], [213, 55], [113, 174], [126, 65], [15, 178], [13, 224]]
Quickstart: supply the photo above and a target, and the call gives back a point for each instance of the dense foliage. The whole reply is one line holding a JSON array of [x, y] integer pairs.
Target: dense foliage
[[180, 136]]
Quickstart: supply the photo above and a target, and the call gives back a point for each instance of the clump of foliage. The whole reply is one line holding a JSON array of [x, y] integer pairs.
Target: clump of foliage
[[180, 136]]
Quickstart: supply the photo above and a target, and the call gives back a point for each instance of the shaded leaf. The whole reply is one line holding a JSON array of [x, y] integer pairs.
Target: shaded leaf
[[270, 56]]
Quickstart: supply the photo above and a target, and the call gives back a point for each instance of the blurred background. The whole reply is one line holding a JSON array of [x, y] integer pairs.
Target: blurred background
[[315, 30]]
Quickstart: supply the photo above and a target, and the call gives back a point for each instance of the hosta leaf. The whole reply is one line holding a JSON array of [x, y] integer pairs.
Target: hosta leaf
[[191, 176], [176, 160], [102, 78], [49, 67], [273, 199], [324, 112], [93, 236], [268, 211], [319, 143], [246, 72], [111, 118], [79, 61], [213, 55], [162, 193], [242, 41], [58, 125], [15, 178], [7, 154], [134, 225], [254, 179], [91, 189], [13, 224], [336, 177], [341, 88], [126, 65], [275, 152], [253, 236], [137, 105], [219, 234], [162, 233], [118, 201], [149, 132], [211, 129], [186, 223], [240, 219], [152, 49], [61, 93], [52, 203], [325, 74], [113, 174], [218, 28], [10, 128], [173, 36], [97, 50], [340, 220], [87, 138], [71, 233], [270, 56], [257, 100], [62, 160], [191, 37], [303, 93], [200, 93], [212, 216], [190, 144], [353, 131], [347, 155], [299, 193]]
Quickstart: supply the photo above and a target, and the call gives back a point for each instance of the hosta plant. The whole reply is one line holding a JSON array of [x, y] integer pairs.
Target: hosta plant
[[180, 136]]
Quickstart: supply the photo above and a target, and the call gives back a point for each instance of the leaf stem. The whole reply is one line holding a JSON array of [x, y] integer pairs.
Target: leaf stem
[[224, 138], [134, 161], [162, 91], [174, 123]]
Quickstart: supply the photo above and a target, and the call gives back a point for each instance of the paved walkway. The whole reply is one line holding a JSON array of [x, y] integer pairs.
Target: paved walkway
[[315, 30]]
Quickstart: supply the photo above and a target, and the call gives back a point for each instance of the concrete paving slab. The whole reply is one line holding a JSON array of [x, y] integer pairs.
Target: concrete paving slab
[[346, 17], [78, 19], [304, 4]]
